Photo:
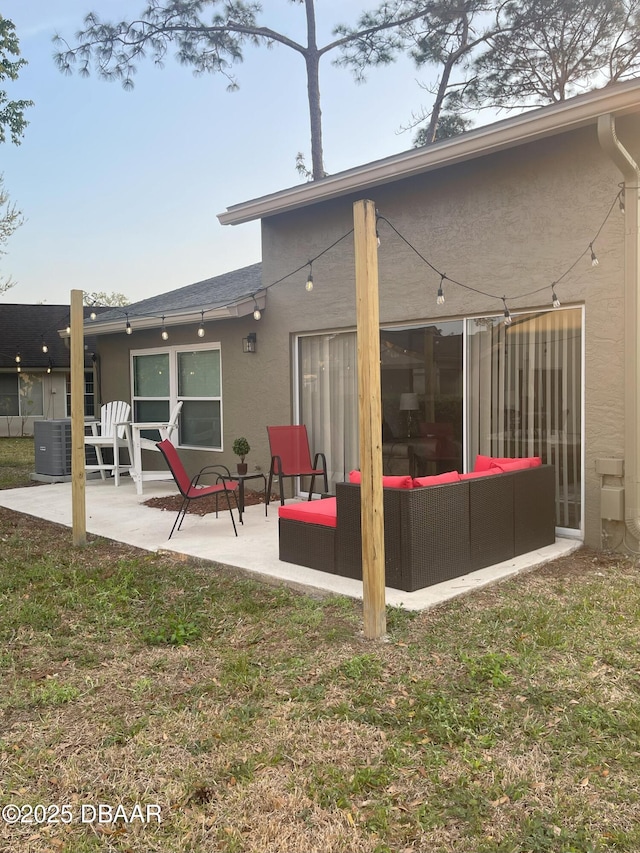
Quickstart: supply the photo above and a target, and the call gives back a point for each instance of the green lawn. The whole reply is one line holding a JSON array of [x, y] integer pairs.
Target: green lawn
[[16, 462], [258, 719]]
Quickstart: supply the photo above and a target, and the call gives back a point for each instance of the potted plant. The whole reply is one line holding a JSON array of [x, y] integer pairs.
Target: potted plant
[[241, 448]]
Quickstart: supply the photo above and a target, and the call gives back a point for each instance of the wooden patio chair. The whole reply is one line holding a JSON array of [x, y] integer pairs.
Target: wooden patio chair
[[290, 457], [191, 490], [110, 433], [141, 442]]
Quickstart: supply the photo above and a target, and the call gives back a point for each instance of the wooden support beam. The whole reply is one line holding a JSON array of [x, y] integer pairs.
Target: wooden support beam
[[370, 418], [78, 506]]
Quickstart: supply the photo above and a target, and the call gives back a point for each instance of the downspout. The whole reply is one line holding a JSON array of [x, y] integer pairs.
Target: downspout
[[631, 173]]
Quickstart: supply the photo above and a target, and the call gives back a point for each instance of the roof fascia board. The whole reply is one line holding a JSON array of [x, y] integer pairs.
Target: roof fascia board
[[242, 308], [519, 130]]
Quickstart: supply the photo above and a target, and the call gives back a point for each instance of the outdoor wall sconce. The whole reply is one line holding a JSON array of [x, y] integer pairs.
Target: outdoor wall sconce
[[250, 343]]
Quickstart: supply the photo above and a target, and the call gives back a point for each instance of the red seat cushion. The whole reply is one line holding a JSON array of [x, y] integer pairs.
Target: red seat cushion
[[436, 479], [323, 512], [400, 482]]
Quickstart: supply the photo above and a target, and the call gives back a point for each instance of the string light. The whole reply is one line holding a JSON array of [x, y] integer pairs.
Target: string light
[[508, 319], [621, 200], [45, 348], [92, 316], [440, 297], [49, 366]]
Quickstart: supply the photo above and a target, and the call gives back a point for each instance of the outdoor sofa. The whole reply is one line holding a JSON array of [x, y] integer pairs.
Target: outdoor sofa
[[435, 528]]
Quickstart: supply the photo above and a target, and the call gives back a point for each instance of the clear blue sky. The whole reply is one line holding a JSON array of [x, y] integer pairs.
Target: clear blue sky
[[120, 190]]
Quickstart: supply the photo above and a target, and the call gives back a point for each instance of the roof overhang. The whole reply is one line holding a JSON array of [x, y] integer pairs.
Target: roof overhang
[[581, 111], [239, 308]]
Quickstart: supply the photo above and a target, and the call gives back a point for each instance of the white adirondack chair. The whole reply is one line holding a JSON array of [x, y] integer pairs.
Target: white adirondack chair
[[140, 443], [112, 433]]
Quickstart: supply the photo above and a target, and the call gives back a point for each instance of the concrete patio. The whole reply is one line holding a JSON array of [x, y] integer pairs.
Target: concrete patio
[[119, 513]]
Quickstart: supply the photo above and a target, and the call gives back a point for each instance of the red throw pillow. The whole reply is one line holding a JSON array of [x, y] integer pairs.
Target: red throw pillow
[[436, 479], [400, 482], [472, 475], [483, 463], [511, 465]]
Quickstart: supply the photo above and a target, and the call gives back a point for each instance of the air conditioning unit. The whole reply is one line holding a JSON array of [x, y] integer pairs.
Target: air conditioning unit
[[53, 447]]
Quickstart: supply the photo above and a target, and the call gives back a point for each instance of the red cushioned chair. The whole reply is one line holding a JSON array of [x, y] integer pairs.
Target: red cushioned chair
[[290, 457], [191, 490]]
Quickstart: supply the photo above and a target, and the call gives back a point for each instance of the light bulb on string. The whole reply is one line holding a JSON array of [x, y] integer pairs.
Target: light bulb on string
[[309, 284], [92, 316], [594, 259], [440, 296], [18, 358], [201, 331], [554, 297], [128, 328], [45, 348], [164, 334], [508, 320], [257, 313], [621, 200]]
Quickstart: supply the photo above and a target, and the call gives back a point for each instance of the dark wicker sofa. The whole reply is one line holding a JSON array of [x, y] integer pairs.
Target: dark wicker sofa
[[433, 533]]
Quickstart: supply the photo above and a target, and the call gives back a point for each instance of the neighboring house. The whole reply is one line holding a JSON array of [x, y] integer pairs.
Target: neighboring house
[[509, 210], [34, 367]]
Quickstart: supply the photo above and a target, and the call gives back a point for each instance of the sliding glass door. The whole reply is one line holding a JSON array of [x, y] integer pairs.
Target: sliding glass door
[[517, 389]]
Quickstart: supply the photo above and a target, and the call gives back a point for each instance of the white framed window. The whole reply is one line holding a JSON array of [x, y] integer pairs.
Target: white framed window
[[89, 394], [162, 377], [21, 395]]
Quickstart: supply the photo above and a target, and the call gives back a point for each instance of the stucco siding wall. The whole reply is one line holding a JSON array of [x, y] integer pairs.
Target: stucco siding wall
[[252, 395], [508, 224]]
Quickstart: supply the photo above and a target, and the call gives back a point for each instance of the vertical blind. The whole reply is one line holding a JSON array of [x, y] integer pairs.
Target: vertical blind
[[525, 396]]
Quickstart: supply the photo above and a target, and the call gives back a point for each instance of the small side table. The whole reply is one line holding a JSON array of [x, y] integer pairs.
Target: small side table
[[240, 479]]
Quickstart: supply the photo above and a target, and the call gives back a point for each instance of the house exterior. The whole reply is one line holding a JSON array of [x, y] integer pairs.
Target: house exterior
[[532, 220], [34, 367]]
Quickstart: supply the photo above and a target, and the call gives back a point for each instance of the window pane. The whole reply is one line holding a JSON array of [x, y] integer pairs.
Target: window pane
[[421, 390], [30, 395], [199, 373], [200, 423], [8, 395], [151, 375], [151, 410]]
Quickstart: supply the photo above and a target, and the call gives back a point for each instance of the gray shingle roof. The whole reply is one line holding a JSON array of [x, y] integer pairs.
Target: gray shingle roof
[[24, 328], [221, 290]]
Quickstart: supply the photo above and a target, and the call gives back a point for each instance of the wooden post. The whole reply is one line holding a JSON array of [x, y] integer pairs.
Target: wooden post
[[78, 507], [370, 418]]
